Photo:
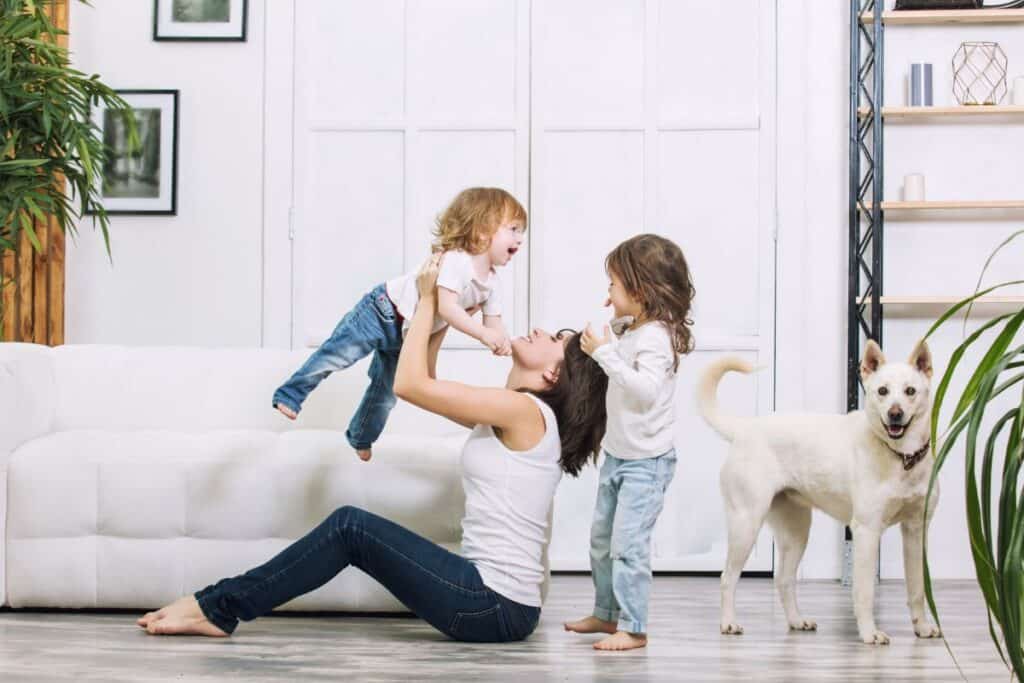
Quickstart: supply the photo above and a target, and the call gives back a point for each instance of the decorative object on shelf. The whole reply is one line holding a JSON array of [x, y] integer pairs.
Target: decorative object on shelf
[[920, 94], [1013, 4], [955, 4], [141, 179], [937, 4], [913, 187], [979, 73], [209, 20], [1018, 91]]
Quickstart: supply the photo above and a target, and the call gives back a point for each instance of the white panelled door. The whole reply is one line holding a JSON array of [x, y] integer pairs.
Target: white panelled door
[[657, 116], [398, 106], [606, 118]]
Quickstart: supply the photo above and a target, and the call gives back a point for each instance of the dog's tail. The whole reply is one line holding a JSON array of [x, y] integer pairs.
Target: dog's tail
[[707, 401]]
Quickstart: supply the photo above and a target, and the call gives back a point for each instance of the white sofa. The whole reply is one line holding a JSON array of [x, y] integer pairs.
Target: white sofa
[[131, 476]]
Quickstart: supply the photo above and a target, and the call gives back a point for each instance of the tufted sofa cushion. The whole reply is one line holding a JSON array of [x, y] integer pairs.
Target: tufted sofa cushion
[[134, 476]]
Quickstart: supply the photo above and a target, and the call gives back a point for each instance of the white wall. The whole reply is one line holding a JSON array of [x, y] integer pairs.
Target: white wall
[[923, 257], [811, 270], [194, 278]]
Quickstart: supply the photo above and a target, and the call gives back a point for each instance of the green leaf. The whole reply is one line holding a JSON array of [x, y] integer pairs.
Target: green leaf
[[967, 302], [23, 163], [992, 356], [26, 225]]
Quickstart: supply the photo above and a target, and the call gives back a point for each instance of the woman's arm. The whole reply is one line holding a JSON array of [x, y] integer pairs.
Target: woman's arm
[[433, 348], [511, 411]]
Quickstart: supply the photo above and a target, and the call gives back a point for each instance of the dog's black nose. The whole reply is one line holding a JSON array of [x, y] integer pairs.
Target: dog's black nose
[[895, 414]]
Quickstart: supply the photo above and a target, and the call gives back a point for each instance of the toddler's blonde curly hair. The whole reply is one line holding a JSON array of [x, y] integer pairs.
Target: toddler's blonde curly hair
[[473, 217]]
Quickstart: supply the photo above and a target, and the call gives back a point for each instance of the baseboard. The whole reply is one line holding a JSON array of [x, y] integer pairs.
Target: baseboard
[[746, 575]]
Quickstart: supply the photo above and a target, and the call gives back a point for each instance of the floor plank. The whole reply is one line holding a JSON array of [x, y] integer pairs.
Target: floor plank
[[684, 644]]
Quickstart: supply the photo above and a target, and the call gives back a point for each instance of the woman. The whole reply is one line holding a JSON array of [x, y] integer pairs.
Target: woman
[[548, 419]]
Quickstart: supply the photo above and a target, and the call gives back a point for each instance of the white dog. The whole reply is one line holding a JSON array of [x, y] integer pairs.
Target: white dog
[[868, 469]]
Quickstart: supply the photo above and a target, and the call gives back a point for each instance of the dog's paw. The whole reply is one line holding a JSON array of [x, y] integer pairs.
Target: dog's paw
[[803, 625], [732, 630], [875, 637], [925, 629]]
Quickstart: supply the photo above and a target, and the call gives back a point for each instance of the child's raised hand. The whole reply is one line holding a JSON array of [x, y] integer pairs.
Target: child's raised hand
[[505, 347], [590, 342], [495, 340]]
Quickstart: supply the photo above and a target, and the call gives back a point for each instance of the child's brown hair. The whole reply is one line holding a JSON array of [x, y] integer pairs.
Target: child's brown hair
[[654, 272], [472, 218]]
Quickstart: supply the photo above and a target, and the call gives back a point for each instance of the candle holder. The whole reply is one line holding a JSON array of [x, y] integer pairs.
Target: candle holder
[[979, 74]]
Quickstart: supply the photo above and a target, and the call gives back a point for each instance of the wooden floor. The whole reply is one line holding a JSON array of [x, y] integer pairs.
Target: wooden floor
[[684, 644]]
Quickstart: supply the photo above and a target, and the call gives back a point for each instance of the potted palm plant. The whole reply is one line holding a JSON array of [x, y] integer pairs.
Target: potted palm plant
[[51, 152], [993, 465]]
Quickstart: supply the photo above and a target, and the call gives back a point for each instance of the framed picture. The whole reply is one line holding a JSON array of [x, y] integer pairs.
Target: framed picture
[[220, 20], [141, 180]]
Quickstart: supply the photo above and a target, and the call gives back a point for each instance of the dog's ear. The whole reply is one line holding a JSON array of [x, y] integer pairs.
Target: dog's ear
[[921, 358], [872, 360]]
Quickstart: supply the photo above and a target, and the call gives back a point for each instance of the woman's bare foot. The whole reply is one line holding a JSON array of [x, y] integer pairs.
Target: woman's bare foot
[[364, 454], [621, 640], [181, 618], [286, 411], [590, 625]]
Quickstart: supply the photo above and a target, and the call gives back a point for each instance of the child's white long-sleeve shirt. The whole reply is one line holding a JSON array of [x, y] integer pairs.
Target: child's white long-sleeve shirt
[[641, 392]]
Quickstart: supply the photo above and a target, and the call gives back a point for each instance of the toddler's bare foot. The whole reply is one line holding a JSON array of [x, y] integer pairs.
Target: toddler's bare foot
[[182, 617], [590, 625], [364, 454], [621, 640], [286, 411]]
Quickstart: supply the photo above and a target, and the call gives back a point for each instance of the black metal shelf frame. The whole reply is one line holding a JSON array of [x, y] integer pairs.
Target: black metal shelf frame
[[866, 218]]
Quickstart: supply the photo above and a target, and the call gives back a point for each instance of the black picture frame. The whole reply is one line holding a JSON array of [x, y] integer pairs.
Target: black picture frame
[[165, 201], [199, 37]]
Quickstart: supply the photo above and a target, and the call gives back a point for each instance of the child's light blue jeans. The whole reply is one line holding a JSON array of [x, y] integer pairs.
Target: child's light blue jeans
[[630, 497], [372, 326]]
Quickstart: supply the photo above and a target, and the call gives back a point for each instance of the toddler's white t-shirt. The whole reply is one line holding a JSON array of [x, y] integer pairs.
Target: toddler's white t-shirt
[[458, 275]]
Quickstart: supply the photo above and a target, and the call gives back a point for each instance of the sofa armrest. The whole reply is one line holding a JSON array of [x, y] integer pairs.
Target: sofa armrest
[[27, 408], [27, 395]]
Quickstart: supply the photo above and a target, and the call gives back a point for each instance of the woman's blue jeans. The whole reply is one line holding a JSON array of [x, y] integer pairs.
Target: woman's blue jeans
[[441, 587], [372, 326]]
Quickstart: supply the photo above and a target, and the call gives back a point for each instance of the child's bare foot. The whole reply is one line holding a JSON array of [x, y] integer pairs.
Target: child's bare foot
[[590, 625], [621, 640], [364, 454], [182, 617], [286, 411]]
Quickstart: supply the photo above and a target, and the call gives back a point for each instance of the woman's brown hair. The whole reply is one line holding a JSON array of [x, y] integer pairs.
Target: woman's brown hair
[[654, 272], [577, 399], [474, 215]]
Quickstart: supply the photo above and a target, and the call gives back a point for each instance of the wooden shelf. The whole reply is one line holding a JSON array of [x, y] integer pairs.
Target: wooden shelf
[[949, 16], [946, 112], [948, 205], [944, 300]]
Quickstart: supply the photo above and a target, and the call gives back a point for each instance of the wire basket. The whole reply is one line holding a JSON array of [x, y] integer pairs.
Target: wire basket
[[979, 74]]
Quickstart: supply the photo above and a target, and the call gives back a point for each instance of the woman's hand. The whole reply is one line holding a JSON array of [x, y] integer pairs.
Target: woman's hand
[[426, 279]]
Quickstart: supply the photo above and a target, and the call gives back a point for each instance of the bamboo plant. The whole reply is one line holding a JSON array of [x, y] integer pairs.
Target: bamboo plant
[[996, 534], [47, 135]]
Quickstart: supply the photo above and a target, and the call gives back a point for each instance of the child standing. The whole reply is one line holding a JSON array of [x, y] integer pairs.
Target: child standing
[[651, 283], [480, 230]]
